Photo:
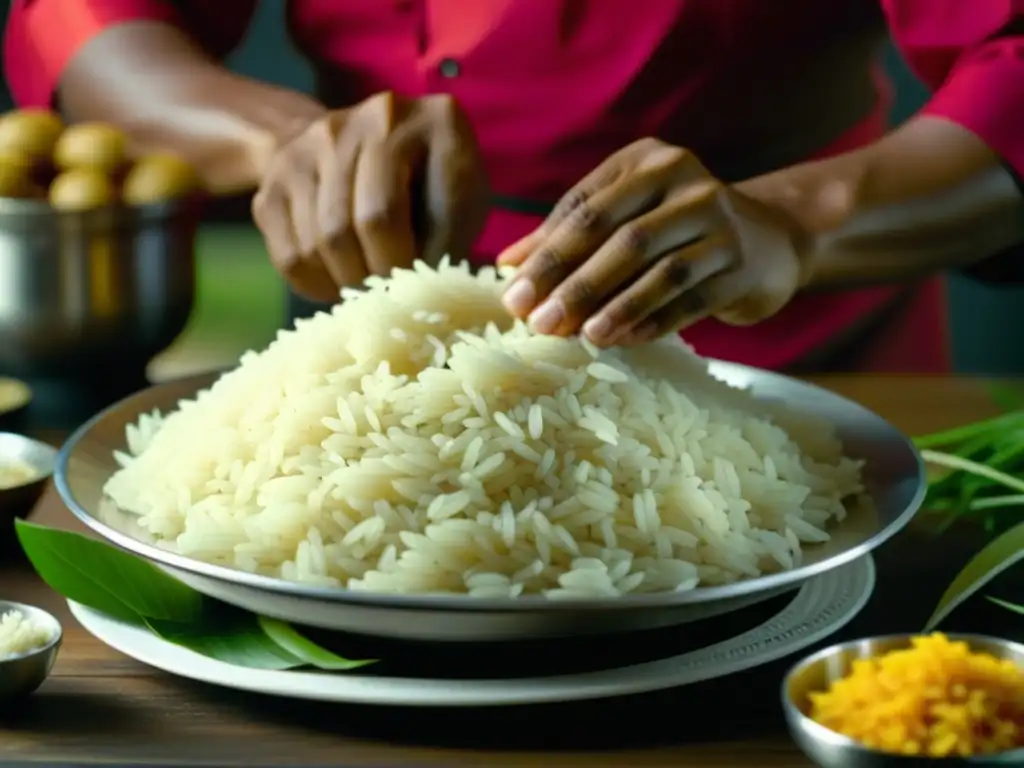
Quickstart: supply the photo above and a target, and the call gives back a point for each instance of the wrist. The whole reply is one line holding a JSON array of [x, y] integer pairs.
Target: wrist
[[817, 201]]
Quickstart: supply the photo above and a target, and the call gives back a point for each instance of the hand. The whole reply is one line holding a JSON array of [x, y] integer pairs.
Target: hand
[[650, 243], [337, 203]]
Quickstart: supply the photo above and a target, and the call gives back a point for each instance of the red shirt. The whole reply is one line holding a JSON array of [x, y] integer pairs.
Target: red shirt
[[552, 87]]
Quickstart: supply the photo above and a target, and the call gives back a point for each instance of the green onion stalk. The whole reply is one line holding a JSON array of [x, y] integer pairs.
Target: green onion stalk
[[976, 471]]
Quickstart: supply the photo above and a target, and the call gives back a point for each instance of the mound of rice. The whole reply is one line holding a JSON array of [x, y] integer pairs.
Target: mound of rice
[[417, 440]]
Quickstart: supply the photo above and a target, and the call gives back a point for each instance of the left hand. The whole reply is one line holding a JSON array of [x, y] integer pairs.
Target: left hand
[[650, 243]]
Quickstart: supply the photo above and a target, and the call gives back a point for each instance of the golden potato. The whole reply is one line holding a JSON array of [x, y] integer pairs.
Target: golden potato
[[14, 160], [16, 181], [81, 189], [30, 133], [95, 146], [157, 178]]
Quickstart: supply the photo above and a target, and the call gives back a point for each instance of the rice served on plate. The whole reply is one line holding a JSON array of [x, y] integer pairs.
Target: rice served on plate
[[417, 440]]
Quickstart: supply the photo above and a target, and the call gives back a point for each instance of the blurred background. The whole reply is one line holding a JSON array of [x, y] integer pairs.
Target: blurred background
[[240, 299]]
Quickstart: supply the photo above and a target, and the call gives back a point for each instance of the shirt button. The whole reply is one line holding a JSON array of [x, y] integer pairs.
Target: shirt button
[[449, 68]]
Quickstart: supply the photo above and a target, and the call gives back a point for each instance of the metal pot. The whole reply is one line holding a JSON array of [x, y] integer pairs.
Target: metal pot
[[84, 292]]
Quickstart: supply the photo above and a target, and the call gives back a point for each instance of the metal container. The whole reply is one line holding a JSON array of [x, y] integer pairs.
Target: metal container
[[894, 477], [833, 750], [81, 292], [21, 675], [18, 501]]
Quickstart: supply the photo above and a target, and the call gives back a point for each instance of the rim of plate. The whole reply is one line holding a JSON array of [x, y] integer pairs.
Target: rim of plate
[[774, 583], [824, 605]]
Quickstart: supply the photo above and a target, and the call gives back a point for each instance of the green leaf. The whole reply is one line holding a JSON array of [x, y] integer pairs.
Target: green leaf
[[105, 578], [241, 642], [1001, 553], [1008, 606], [112, 581], [291, 641]]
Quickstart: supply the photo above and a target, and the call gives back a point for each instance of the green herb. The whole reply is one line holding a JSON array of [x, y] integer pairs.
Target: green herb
[[999, 555], [114, 582], [982, 465], [1008, 606]]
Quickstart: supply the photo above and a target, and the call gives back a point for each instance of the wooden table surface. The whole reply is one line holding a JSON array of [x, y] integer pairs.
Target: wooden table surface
[[101, 707]]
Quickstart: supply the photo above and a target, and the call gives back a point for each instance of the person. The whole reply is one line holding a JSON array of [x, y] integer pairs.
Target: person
[[721, 167]]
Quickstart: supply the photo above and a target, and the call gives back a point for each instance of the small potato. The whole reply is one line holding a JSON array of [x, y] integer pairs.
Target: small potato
[[15, 160], [16, 181], [30, 133], [81, 189], [91, 145], [157, 178]]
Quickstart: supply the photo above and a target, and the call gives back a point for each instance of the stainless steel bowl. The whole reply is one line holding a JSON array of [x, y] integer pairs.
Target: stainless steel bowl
[[21, 675], [88, 291], [19, 500], [894, 477], [832, 750]]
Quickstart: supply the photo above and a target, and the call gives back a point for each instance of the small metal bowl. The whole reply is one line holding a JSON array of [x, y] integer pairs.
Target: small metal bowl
[[15, 398], [98, 290], [18, 501], [833, 750], [21, 675]]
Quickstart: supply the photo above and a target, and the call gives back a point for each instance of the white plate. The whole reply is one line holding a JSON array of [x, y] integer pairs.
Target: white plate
[[823, 605]]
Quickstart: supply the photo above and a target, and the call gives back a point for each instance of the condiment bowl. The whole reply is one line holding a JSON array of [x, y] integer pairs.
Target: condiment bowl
[[17, 501], [833, 750], [15, 396], [21, 675], [99, 290]]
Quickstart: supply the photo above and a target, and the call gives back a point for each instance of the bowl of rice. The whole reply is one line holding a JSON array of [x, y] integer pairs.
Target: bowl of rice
[[26, 465], [414, 463], [29, 640], [910, 700]]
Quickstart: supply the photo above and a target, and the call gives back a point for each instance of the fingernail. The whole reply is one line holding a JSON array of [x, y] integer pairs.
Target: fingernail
[[598, 329], [547, 317], [520, 297]]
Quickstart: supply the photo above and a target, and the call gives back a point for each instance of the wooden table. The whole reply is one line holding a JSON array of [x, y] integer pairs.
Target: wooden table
[[100, 707]]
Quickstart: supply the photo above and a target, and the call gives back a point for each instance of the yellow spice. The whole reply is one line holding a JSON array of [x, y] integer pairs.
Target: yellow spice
[[935, 699]]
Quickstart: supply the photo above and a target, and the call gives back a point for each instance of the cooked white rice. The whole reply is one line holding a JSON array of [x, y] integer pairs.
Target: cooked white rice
[[415, 439], [20, 635]]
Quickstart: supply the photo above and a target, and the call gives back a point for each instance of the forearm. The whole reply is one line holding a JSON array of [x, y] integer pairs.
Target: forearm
[[167, 94], [930, 195]]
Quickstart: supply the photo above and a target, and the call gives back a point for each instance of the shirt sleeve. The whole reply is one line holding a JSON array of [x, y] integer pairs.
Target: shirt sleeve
[[42, 36], [971, 53]]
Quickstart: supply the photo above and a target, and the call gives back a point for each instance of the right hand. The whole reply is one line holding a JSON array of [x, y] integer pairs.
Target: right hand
[[336, 202]]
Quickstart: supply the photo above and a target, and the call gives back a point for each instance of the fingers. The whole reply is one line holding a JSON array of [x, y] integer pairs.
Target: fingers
[[382, 208], [339, 248], [581, 232], [456, 196], [292, 242], [676, 276], [632, 249], [590, 249], [336, 204], [721, 296], [605, 175]]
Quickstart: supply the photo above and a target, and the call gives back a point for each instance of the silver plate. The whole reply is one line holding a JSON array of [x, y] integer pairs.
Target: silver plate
[[824, 605], [894, 478]]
